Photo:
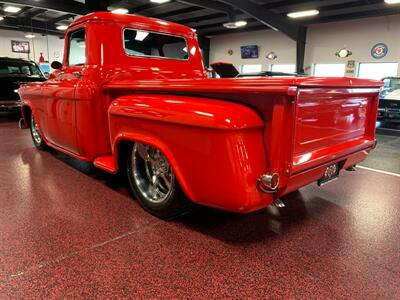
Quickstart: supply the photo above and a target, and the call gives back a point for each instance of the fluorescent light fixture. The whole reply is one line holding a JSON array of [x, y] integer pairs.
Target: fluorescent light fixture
[[120, 11], [234, 25], [141, 35], [12, 9], [392, 1], [62, 27], [160, 1], [30, 36], [302, 14]]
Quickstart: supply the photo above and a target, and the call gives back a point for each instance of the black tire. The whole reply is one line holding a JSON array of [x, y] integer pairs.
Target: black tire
[[36, 135], [171, 203]]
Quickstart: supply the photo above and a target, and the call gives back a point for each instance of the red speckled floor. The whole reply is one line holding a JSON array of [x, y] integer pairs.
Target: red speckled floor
[[68, 231]]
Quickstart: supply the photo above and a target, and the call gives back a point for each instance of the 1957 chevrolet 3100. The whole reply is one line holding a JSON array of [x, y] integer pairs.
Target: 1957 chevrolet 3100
[[132, 94]]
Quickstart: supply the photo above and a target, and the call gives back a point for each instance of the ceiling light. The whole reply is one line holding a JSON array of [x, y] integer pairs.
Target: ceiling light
[[141, 35], [62, 27], [120, 11], [392, 1], [234, 25], [302, 14], [30, 36], [12, 9], [160, 1]]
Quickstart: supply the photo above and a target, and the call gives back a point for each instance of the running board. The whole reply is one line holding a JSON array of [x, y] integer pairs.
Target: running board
[[106, 163]]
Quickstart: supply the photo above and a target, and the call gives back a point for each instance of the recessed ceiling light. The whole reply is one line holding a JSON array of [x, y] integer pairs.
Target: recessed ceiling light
[[302, 14], [234, 25], [12, 9], [62, 27], [160, 1], [120, 11], [30, 36], [392, 1]]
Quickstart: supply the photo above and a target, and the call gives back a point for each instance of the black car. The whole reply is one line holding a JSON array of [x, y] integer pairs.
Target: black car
[[389, 102], [13, 73]]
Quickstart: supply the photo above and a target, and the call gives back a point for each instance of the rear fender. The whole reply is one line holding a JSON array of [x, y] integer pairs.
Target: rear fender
[[184, 110], [215, 147]]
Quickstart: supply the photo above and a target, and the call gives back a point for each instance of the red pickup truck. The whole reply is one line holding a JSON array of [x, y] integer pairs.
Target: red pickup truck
[[132, 94]]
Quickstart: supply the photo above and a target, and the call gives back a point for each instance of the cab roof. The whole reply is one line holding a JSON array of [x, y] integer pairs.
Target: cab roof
[[139, 21]]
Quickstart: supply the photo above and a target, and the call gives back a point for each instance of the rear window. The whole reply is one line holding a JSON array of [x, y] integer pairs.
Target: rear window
[[150, 44], [19, 69]]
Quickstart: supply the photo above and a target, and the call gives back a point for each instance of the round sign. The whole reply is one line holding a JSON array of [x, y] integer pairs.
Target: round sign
[[379, 51]]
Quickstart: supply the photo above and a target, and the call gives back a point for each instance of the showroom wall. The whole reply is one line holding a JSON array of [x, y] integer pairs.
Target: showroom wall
[[54, 50], [323, 41]]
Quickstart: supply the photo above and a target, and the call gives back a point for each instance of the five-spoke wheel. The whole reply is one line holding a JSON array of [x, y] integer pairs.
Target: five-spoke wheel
[[153, 181]]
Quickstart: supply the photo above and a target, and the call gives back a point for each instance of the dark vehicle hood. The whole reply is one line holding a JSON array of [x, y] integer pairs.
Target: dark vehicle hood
[[8, 84]]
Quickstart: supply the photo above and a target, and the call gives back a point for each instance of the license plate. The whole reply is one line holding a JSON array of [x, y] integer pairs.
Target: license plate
[[331, 173]]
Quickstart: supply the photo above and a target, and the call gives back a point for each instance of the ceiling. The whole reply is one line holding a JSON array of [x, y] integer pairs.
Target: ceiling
[[207, 16]]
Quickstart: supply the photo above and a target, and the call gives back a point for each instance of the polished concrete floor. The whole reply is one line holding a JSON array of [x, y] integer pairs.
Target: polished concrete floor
[[70, 231]]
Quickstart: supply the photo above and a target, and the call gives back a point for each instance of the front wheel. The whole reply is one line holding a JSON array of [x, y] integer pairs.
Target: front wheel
[[36, 135], [153, 182]]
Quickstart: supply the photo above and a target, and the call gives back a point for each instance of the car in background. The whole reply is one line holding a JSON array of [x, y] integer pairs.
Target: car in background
[[13, 73], [389, 102]]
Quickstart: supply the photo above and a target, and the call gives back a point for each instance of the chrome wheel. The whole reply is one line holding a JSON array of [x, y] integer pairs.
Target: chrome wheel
[[37, 138], [152, 173]]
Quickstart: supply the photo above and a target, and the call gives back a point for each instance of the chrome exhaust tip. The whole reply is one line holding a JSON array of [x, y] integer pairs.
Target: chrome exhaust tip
[[268, 183], [21, 124]]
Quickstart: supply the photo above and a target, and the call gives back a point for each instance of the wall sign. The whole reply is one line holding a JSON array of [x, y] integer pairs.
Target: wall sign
[[249, 51], [379, 51], [20, 46], [351, 68]]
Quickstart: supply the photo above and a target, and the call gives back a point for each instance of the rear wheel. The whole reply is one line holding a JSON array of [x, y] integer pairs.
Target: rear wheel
[[36, 135], [154, 183]]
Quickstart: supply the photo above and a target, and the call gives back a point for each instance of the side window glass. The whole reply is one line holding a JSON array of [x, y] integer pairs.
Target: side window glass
[[77, 48]]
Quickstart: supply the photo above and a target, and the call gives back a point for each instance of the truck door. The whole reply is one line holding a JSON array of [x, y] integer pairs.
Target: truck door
[[59, 95]]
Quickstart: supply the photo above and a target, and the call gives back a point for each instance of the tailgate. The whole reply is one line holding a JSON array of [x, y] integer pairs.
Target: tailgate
[[331, 123]]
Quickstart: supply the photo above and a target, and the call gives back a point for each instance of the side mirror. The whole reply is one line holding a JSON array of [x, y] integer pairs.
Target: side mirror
[[56, 65]]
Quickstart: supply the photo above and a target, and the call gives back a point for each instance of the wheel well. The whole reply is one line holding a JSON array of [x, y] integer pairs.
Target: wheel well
[[26, 110], [123, 149]]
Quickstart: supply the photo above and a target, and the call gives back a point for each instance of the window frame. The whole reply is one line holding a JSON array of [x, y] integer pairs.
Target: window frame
[[69, 47], [155, 56], [377, 62], [272, 65], [341, 64], [241, 68]]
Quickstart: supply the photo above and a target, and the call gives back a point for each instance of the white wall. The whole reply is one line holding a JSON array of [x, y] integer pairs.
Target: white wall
[[39, 44], [323, 41]]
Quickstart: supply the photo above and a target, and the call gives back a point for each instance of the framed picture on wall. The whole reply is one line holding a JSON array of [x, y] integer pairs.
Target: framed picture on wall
[[20, 46], [249, 51]]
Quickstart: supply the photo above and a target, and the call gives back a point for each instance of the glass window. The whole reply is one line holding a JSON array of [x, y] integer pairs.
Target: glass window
[[146, 43], [77, 48], [246, 69], [329, 70], [20, 68], [377, 70], [283, 68]]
